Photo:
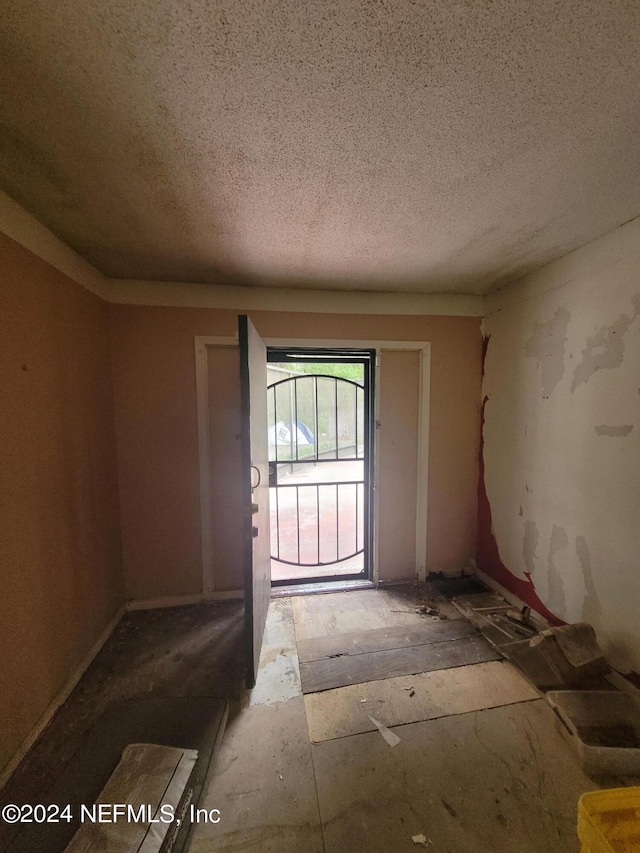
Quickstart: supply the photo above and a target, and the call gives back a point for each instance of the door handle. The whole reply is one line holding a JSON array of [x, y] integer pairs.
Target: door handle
[[257, 470]]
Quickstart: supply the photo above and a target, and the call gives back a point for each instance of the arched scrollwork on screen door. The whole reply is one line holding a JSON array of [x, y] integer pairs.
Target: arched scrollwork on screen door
[[316, 469]]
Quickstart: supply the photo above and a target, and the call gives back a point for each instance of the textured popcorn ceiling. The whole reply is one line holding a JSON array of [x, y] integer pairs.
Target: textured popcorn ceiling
[[391, 145]]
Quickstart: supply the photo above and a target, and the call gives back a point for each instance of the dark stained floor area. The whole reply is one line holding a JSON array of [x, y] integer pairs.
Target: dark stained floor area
[[178, 652]]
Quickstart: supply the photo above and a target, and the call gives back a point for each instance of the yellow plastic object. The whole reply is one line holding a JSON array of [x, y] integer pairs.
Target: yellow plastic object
[[609, 820]]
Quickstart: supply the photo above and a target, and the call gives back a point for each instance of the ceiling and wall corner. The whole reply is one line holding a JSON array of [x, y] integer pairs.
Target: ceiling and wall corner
[[25, 229]]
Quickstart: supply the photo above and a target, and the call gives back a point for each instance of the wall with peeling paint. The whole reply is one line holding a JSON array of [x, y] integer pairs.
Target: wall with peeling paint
[[560, 496]]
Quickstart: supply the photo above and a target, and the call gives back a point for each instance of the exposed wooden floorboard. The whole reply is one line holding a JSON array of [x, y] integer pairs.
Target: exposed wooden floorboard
[[382, 639], [355, 669]]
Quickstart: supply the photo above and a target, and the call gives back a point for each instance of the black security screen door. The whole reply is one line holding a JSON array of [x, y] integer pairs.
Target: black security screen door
[[320, 435]]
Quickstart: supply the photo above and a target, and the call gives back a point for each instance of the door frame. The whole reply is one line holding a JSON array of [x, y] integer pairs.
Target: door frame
[[360, 355], [203, 342], [424, 347]]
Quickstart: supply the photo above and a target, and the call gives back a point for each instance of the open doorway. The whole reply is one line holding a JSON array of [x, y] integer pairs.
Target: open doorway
[[320, 434]]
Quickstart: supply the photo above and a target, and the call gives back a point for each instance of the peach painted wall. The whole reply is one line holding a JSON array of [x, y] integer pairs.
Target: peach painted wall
[[225, 421], [156, 426], [61, 567], [397, 439]]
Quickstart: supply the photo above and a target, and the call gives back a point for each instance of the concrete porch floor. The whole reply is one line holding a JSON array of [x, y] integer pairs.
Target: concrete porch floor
[[325, 524], [502, 779]]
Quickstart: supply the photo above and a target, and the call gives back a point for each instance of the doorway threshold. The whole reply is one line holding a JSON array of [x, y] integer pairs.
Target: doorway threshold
[[316, 588]]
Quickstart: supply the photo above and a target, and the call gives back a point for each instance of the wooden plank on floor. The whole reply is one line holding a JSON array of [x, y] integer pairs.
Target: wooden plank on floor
[[381, 639], [152, 780], [412, 698], [185, 723], [355, 669]]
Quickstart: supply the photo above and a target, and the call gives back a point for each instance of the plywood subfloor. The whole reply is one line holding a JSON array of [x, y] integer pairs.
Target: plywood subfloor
[[413, 698], [263, 782], [499, 779], [502, 780], [364, 610]]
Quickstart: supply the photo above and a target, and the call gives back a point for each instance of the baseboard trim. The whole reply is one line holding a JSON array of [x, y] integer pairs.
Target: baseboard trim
[[505, 593], [164, 601], [226, 594], [182, 600], [59, 699]]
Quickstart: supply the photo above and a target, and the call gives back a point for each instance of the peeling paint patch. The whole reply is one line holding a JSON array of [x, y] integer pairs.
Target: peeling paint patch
[[529, 544], [591, 610], [488, 553], [605, 349], [547, 345], [614, 431], [559, 542]]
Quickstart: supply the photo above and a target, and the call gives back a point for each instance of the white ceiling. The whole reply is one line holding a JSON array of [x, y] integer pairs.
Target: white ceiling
[[435, 146]]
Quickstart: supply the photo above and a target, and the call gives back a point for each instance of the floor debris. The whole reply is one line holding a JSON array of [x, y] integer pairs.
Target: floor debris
[[420, 839], [391, 738], [568, 656]]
